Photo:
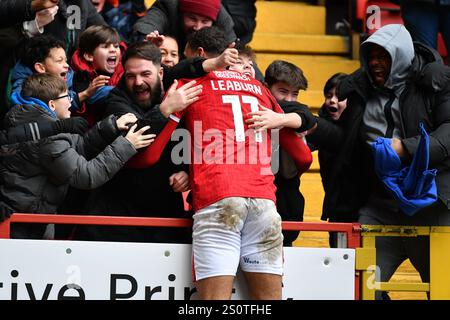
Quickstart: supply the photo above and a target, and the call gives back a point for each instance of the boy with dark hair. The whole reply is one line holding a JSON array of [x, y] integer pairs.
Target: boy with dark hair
[[47, 54], [97, 60], [36, 175], [284, 81], [245, 62], [332, 108]]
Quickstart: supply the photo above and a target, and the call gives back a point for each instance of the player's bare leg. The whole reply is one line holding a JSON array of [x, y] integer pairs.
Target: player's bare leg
[[263, 286], [215, 288]]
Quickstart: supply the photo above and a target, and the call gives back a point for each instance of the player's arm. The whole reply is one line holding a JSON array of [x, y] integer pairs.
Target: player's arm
[[289, 140], [296, 148], [266, 118], [150, 156], [228, 58]]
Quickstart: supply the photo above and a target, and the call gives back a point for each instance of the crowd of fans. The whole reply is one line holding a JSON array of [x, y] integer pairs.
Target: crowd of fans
[[92, 91]]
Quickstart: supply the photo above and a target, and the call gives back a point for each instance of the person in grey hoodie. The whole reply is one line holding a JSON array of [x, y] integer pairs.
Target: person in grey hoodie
[[399, 85]]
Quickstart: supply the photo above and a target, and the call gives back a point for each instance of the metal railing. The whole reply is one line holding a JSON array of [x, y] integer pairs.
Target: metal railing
[[350, 231]]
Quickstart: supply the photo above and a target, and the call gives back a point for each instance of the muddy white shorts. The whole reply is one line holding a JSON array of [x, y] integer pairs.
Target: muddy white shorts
[[237, 231]]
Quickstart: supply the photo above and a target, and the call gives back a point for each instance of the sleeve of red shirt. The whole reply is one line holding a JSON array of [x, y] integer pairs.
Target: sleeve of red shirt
[[151, 155], [296, 148], [291, 142]]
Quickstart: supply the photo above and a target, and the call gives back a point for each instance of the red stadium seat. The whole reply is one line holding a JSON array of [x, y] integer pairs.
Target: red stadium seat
[[442, 49]]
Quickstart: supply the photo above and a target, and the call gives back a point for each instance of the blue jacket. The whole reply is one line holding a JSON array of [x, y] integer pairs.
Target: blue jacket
[[414, 186], [21, 72]]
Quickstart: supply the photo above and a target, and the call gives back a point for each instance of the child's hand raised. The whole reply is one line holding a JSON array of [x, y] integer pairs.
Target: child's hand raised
[[98, 82], [155, 38]]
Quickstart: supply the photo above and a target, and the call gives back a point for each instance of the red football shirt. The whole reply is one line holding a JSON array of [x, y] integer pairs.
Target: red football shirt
[[227, 158]]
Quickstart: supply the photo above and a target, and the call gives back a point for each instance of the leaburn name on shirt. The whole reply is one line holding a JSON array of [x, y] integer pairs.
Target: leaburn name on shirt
[[228, 85]]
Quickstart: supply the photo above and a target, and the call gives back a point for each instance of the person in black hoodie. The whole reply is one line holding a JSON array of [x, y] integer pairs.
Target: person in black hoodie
[[400, 85]]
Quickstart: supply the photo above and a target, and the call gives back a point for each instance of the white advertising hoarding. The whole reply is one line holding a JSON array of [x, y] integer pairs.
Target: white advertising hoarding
[[50, 270]]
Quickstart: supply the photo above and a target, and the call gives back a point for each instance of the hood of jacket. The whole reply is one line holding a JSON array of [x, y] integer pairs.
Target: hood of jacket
[[26, 110], [427, 70], [397, 41]]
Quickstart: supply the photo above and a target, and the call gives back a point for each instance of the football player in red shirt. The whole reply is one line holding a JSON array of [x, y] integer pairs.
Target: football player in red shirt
[[235, 220]]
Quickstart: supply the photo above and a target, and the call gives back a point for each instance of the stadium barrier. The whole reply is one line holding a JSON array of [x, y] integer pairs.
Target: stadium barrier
[[439, 286], [361, 238]]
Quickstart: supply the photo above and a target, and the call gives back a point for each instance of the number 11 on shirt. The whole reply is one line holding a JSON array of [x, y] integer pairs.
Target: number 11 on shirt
[[238, 118]]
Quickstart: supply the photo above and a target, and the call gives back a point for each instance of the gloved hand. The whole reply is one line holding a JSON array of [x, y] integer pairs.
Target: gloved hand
[[5, 212], [77, 125]]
